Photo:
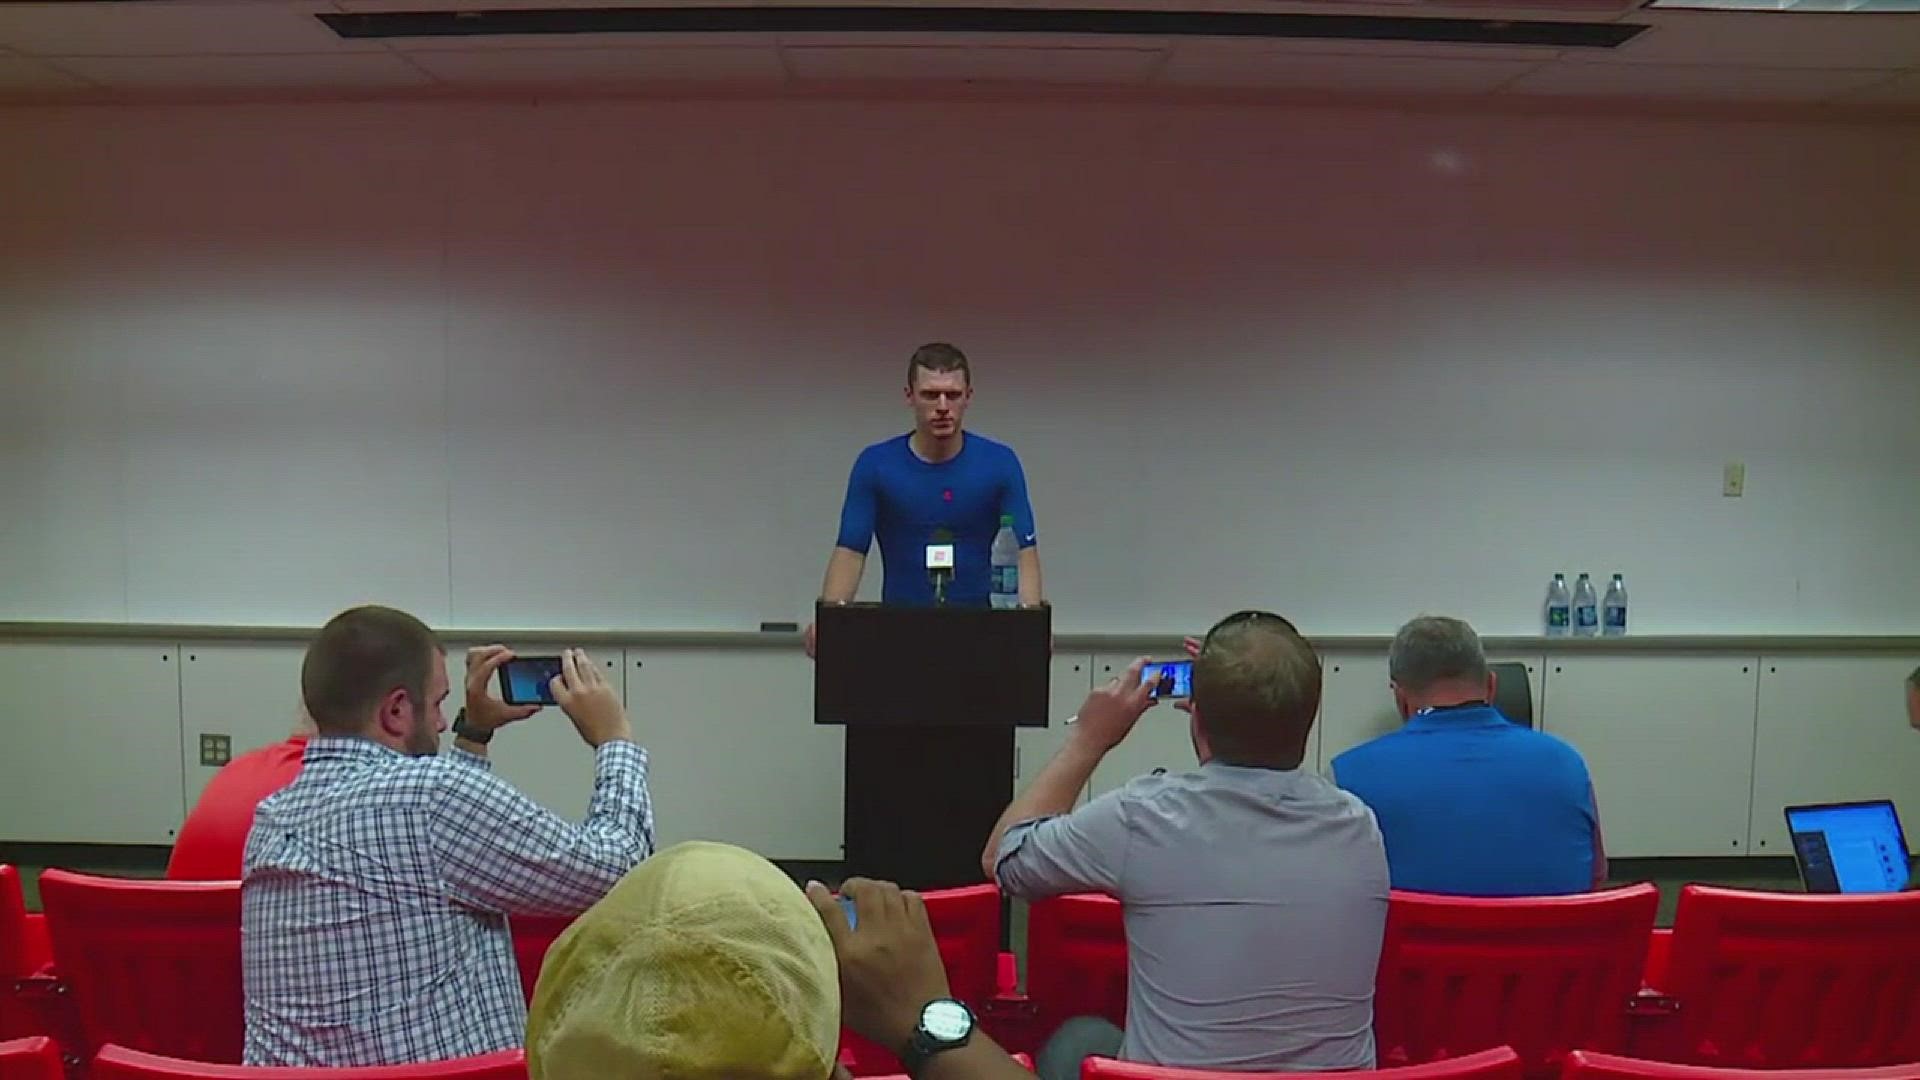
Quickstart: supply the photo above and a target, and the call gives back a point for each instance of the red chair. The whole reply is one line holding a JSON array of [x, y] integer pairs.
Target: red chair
[[1498, 1064], [1543, 975], [533, 935], [1076, 960], [119, 1063], [1787, 981], [1588, 1065], [966, 925], [150, 965], [25, 984], [1024, 1061], [36, 1058]]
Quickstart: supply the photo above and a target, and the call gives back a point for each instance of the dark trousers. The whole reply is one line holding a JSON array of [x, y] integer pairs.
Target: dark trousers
[[1078, 1039]]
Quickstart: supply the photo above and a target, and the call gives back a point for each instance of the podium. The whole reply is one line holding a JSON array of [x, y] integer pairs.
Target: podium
[[930, 698]]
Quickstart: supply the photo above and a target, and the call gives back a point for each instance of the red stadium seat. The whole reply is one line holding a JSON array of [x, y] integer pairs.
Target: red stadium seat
[[1497, 1064], [966, 924], [24, 962], [1787, 981], [36, 1058], [119, 1063], [533, 935], [1025, 1063], [1543, 975], [1076, 960], [151, 965], [1588, 1065]]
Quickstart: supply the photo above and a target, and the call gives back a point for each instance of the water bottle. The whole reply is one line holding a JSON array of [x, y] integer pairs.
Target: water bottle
[[1559, 607], [1613, 610], [1586, 608], [1006, 565]]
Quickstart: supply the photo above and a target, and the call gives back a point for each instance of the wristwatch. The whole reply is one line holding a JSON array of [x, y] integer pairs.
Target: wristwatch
[[464, 730], [945, 1024]]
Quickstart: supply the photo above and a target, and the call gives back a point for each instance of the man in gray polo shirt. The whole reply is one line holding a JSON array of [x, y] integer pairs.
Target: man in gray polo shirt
[[1255, 891]]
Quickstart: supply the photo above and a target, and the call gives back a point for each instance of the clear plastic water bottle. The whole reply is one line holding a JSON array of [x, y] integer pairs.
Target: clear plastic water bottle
[[1559, 607], [1586, 608], [1613, 610], [1006, 565]]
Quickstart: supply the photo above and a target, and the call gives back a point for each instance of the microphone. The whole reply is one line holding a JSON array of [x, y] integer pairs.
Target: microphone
[[940, 563]]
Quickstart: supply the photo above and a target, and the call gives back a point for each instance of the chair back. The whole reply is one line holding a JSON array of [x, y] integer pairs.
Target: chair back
[[1543, 975], [1497, 1064], [1788, 981], [119, 1063], [149, 965]]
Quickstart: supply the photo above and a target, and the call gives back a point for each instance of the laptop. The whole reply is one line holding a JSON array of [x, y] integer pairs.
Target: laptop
[[1849, 847]]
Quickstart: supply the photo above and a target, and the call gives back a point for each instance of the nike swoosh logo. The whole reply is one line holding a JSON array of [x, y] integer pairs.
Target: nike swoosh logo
[[1029, 538]]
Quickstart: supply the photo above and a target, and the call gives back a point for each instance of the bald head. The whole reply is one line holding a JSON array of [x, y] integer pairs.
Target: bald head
[[1256, 690]]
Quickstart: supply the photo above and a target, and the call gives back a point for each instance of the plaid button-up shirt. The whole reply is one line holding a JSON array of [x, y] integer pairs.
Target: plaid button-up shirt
[[378, 889]]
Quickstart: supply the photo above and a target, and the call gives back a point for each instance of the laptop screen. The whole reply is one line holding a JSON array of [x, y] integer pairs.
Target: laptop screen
[[1849, 848]]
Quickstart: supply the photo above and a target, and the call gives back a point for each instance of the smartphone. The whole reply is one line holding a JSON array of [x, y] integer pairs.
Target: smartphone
[[853, 916], [1169, 678], [527, 680]]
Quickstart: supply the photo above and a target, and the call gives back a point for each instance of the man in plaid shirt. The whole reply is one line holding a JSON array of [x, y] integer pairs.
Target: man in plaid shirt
[[379, 885]]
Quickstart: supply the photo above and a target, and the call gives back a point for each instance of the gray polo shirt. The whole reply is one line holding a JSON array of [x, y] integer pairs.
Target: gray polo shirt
[[1255, 901]]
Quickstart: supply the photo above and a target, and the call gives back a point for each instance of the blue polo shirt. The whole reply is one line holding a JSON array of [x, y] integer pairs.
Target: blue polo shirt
[[1472, 805], [894, 496]]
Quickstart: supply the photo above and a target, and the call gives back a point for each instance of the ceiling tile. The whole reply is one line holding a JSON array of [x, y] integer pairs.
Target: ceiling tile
[[169, 29], [1659, 82], [1200, 66], [355, 71], [1025, 65], [20, 74], [1771, 39], [600, 67]]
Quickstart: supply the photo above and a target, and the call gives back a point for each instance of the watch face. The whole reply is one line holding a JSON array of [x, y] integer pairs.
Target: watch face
[[947, 1021]]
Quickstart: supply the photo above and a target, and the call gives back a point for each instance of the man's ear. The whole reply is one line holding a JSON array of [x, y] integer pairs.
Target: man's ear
[[1493, 684], [396, 712]]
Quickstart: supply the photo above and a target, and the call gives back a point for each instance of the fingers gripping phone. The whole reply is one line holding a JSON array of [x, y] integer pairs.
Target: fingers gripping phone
[[528, 680], [1169, 678]]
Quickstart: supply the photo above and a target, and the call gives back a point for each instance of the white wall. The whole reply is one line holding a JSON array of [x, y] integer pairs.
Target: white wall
[[1692, 753], [605, 365]]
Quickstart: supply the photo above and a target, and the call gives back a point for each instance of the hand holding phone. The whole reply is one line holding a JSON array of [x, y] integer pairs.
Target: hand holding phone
[[528, 680], [1169, 678]]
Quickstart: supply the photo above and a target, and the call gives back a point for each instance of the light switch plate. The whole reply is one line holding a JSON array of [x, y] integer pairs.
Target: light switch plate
[[216, 750], [1734, 481]]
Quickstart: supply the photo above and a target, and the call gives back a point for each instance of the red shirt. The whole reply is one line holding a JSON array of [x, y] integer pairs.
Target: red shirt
[[214, 837]]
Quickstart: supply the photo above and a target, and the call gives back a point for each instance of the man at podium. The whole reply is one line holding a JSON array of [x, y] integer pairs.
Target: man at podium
[[938, 485]]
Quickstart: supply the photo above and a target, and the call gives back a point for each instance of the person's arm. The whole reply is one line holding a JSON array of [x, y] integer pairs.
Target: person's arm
[[1599, 845], [844, 568], [1014, 500], [858, 516], [1033, 849], [890, 968], [498, 850], [1031, 593]]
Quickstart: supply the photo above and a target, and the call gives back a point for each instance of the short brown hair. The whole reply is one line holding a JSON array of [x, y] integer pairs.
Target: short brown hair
[[361, 656], [1913, 680], [939, 356], [1256, 690]]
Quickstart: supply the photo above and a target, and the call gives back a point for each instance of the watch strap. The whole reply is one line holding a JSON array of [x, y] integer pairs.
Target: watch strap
[[463, 730]]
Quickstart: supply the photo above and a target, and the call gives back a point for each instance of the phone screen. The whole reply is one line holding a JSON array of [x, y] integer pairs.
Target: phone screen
[[1169, 679], [525, 680]]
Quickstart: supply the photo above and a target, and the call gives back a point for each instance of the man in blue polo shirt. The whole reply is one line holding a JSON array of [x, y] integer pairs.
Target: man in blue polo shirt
[[936, 480], [1469, 803]]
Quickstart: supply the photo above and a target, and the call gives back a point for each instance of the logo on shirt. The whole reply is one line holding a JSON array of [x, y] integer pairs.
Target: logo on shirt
[[947, 495]]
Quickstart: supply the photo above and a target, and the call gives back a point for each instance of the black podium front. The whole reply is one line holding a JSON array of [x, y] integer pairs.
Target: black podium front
[[930, 698]]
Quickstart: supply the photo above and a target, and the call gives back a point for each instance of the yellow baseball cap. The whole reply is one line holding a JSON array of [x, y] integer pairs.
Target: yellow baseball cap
[[704, 962]]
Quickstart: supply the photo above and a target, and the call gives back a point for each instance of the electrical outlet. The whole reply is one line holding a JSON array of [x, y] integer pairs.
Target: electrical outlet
[[1733, 483], [216, 750]]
